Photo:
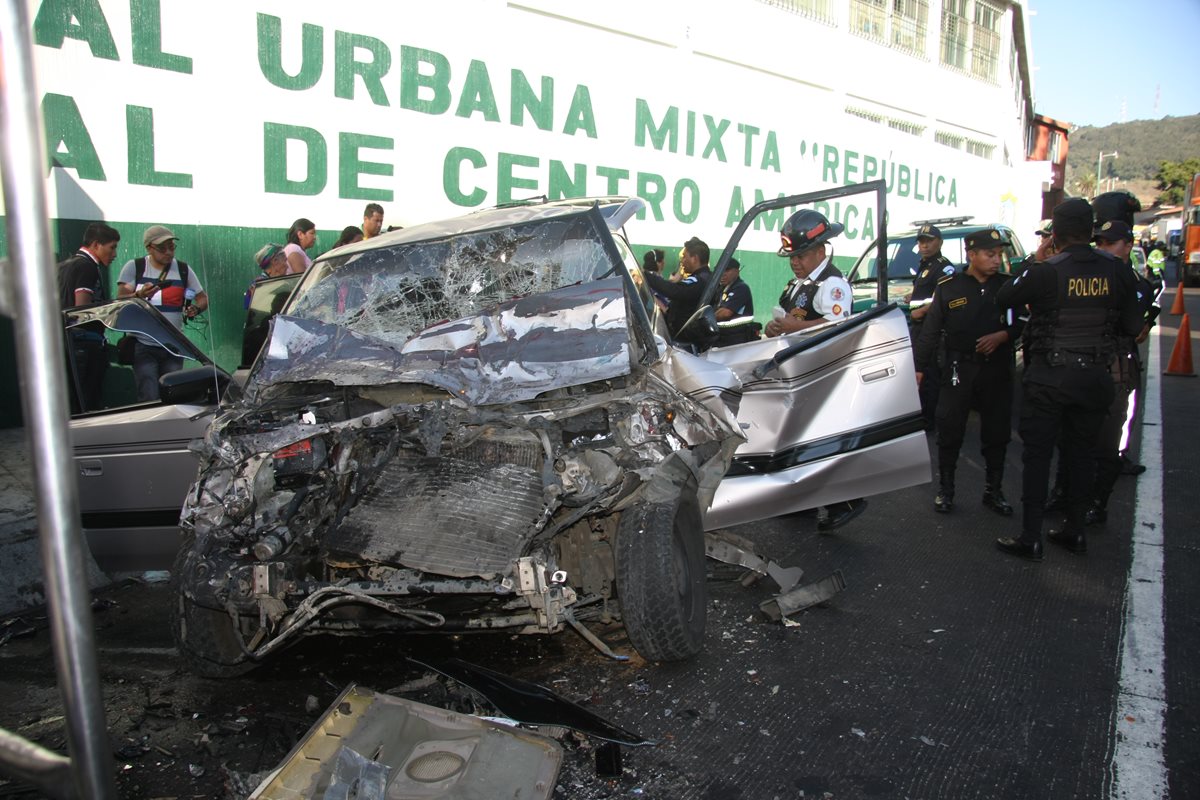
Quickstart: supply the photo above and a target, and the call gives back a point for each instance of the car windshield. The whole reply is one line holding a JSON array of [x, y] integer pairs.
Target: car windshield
[[392, 293], [903, 258]]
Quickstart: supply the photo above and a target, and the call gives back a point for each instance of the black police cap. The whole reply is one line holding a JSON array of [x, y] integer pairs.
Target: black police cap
[[1114, 231], [1119, 205], [986, 239], [928, 231], [1073, 218]]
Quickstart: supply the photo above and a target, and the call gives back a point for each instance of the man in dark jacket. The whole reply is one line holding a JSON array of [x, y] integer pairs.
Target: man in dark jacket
[[683, 296], [932, 268], [978, 370], [1079, 302], [82, 282]]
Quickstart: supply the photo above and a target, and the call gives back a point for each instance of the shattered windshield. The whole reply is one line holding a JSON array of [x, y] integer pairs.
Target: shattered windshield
[[392, 293]]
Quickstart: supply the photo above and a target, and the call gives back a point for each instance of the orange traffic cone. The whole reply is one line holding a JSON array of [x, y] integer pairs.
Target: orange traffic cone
[[1177, 307], [1181, 354]]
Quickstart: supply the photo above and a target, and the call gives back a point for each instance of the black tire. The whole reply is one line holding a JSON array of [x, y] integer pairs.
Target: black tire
[[660, 578], [208, 641]]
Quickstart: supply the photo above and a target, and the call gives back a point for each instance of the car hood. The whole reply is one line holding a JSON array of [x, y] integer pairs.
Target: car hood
[[510, 352]]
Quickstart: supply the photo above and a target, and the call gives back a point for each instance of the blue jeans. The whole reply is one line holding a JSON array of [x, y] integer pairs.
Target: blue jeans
[[149, 362]]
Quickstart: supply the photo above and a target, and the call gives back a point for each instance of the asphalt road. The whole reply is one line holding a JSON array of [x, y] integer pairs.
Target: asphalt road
[[944, 670]]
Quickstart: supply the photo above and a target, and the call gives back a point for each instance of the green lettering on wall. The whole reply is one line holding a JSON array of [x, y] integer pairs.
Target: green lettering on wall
[[653, 189], [270, 54], [82, 20], [413, 80], [452, 176], [275, 160], [68, 143], [686, 200], [614, 176], [477, 94], [506, 180], [660, 136], [850, 167], [736, 209], [345, 66], [829, 165], [769, 220], [541, 109], [580, 116], [564, 185], [147, 38], [770, 159], [716, 131], [350, 166], [139, 124], [748, 133]]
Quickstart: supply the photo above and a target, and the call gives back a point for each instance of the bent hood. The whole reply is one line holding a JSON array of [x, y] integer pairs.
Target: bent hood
[[508, 353]]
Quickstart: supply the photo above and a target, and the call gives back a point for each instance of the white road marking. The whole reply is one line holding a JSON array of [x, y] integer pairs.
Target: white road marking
[[1138, 768]]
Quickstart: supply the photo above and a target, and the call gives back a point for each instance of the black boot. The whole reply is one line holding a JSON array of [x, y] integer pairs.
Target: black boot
[[1075, 542], [1057, 500], [944, 502], [993, 497], [1097, 513]]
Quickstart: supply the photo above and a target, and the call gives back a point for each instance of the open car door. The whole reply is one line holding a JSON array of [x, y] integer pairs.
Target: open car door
[[830, 413], [133, 465]]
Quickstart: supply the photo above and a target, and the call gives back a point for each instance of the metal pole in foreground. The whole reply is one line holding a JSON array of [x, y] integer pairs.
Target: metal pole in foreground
[[38, 326]]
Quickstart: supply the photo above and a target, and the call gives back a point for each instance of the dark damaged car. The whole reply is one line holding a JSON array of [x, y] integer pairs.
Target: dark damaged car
[[480, 424]]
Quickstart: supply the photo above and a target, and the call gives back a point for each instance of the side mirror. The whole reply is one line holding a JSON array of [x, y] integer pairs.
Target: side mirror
[[701, 327], [195, 385]]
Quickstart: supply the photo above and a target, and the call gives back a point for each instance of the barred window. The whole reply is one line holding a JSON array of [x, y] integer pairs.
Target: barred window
[[900, 24], [985, 43], [955, 33], [862, 113], [910, 20], [949, 139], [980, 149], [903, 125], [820, 10]]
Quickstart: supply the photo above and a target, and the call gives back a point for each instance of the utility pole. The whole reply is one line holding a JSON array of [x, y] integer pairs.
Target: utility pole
[[1099, 160]]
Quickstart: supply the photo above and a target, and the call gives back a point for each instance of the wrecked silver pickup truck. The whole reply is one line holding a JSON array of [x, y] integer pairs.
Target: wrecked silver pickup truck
[[481, 424]]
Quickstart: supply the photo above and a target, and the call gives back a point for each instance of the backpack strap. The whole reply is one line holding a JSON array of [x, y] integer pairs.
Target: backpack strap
[[139, 270]]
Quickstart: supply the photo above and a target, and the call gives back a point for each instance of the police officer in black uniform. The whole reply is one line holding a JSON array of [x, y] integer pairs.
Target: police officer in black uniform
[[932, 268], [978, 369], [1079, 302], [735, 311], [683, 296], [1116, 238]]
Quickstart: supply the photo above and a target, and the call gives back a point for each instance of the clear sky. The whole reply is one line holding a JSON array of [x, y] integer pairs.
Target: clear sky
[[1097, 62]]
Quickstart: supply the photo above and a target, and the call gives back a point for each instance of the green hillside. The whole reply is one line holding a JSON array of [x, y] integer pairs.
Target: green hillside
[[1142, 145]]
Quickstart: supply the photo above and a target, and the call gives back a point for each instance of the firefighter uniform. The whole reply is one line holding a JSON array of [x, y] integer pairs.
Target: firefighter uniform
[[964, 310], [1079, 302]]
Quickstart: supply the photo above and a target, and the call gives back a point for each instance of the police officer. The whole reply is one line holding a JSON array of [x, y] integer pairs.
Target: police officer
[[683, 295], [932, 268], [1079, 302], [1116, 238], [978, 370], [818, 294], [735, 311]]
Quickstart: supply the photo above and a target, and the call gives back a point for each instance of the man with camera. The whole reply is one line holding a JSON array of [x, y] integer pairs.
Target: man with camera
[[171, 287]]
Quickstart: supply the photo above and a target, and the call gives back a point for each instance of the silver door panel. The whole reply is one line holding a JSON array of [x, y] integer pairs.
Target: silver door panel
[[837, 421]]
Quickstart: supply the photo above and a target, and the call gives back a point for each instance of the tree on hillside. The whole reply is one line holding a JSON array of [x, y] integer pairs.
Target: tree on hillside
[[1173, 178]]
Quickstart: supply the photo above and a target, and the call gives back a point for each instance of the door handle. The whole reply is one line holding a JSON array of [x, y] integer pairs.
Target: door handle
[[91, 468], [877, 372]]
